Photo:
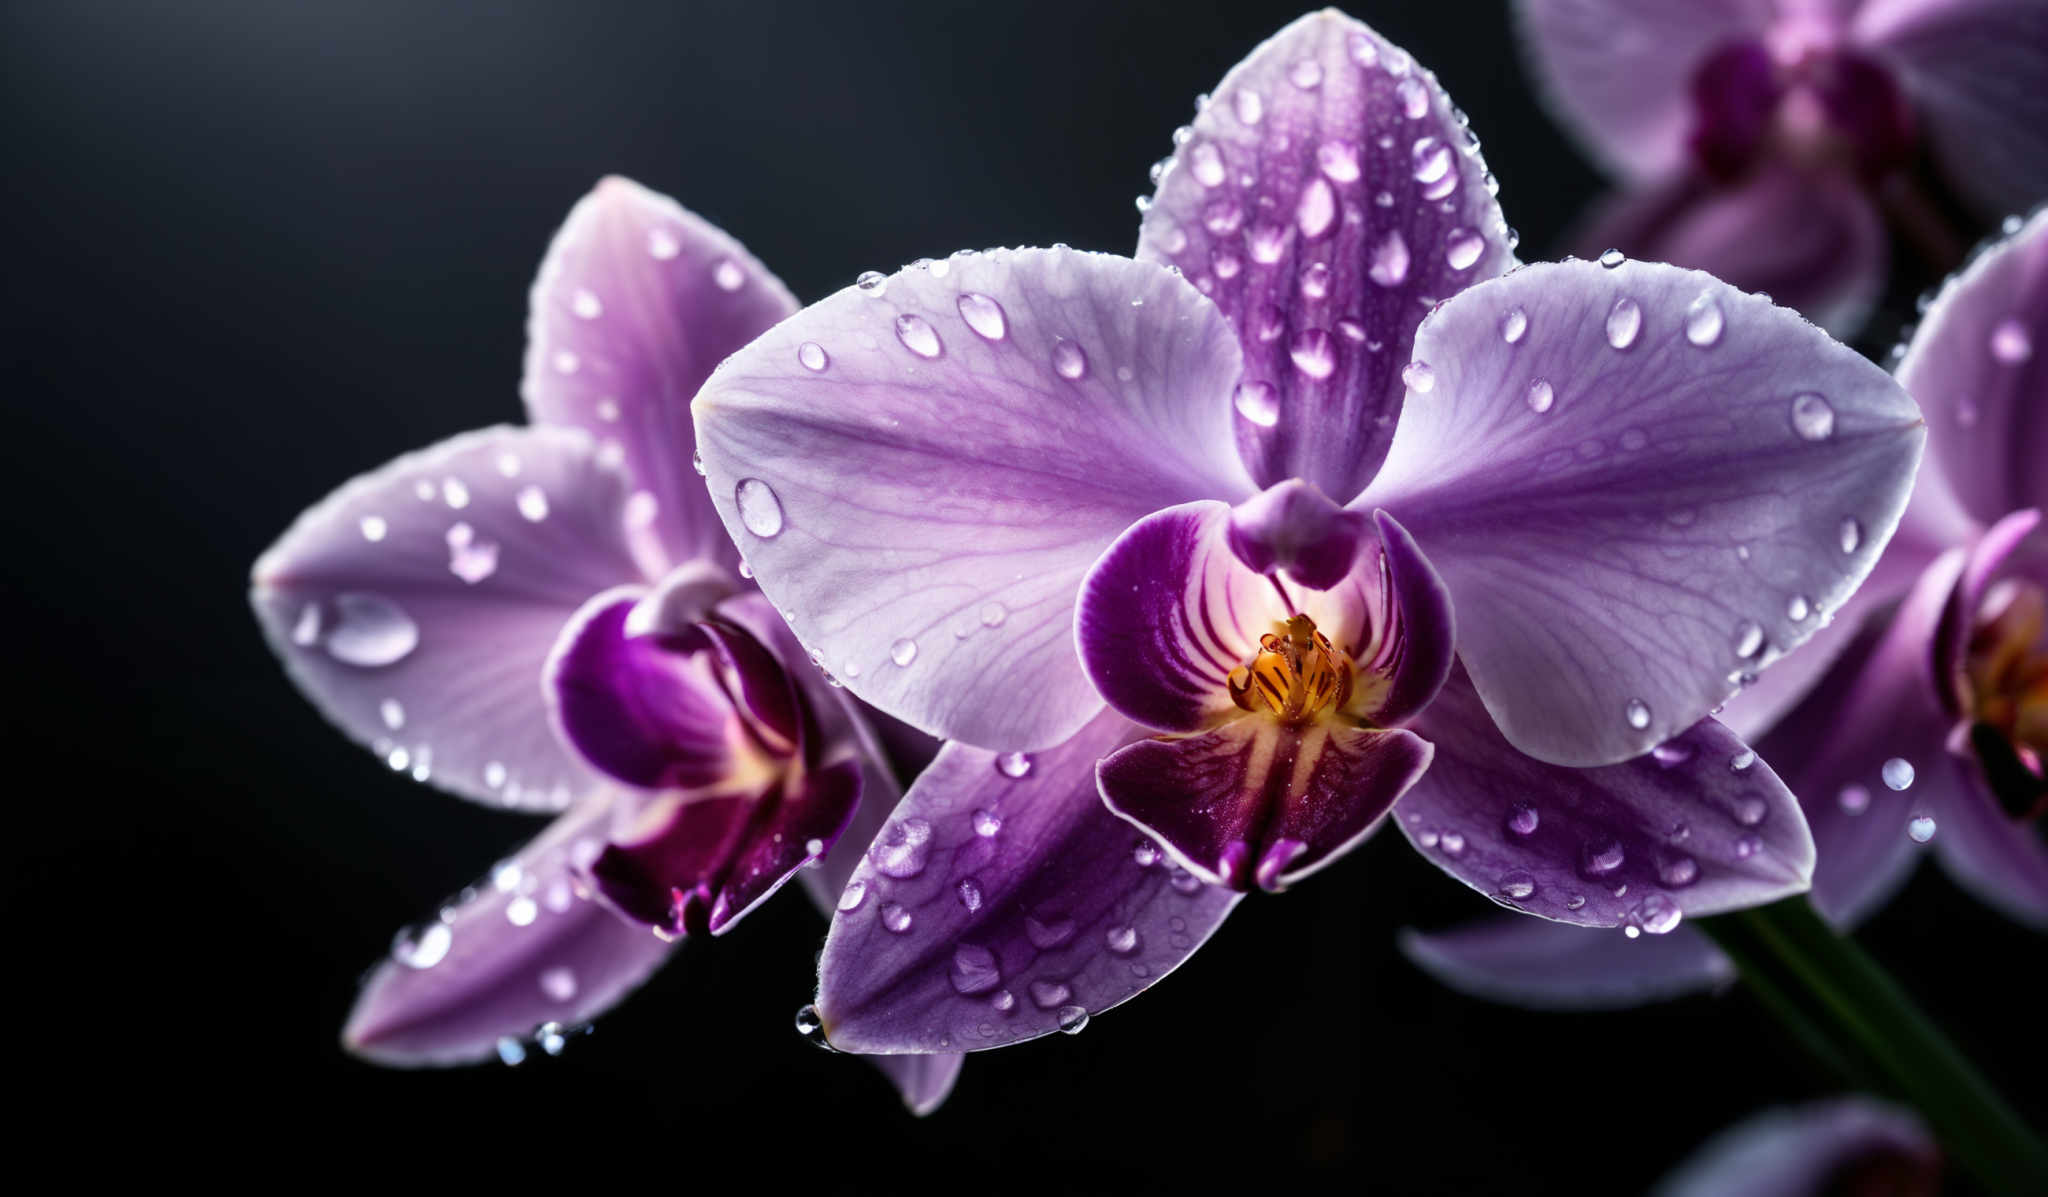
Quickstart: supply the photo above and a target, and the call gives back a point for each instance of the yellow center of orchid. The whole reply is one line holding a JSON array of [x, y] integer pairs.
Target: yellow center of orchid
[[1296, 676], [2006, 671]]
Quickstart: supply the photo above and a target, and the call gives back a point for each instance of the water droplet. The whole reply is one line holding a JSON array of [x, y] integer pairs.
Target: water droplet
[[760, 510], [993, 614], [1453, 843], [1514, 326], [374, 528], [1638, 713], [1854, 799], [511, 1052], [1317, 210], [662, 244], [1462, 248], [585, 304], [975, 969], [1624, 321], [1657, 914], [1207, 163], [1146, 854], [521, 911], [495, 774], [422, 946], [813, 356], [1612, 258], [1750, 810], [853, 895], [1742, 760], [1749, 639], [987, 823], [1389, 266], [1602, 857], [1431, 159], [1338, 159], [1414, 98], [1363, 52], [1050, 932], [1677, 869], [1523, 819], [1851, 534], [728, 275], [1306, 74], [1185, 882], [1315, 280], [1073, 1020], [918, 335], [1518, 885], [902, 849], [970, 893], [1921, 828], [392, 712], [566, 362], [1703, 321], [1121, 940], [1574, 901], [1812, 418], [533, 503], [1897, 773], [874, 282], [1418, 376], [1541, 396], [903, 652], [1014, 765], [895, 918], [1797, 608], [369, 631], [2011, 345], [1249, 107], [812, 1028], [1069, 359], [1048, 994], [1003, 1000], [454, 493], [1314, 353], [984, 315]]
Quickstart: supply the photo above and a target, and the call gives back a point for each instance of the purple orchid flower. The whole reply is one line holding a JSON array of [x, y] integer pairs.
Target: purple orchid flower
[[1930, 729], [550, 618], [1845, 1145], [1179, 550], [1766, 140]]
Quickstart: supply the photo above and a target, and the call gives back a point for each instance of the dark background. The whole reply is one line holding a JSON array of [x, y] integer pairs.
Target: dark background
[[255, 249]]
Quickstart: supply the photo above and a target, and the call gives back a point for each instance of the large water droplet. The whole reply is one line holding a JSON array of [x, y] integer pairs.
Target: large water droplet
[[1602, 857], [1338, 159], [1703, 321], [1121, 940], [1750, 810], [903, 849], [1049, 932], [1431, 159], [1812, 418], [1638, 713], [1207, 163], [1897, 773], [853, 895], [422, 946], [1306, 74], [1677, 869], [1073, 1020], [533, 503], [1048, 994], [1514, 326], [1749, 639], [1462, 248], [760, 510], [1541, 396], [903, 652], [369, 631], [812, 1028], [895, 918], [975, 969], [1523, 819], [1657, 914], [1069, 359], [1258, 403], [1624, 321], [1317, 210], [1612, 258], [1389, 266], [873, 282], [1418, 376], [987, 823], [813, 356], [918, 335], [1014, 765], [1518, 885], [1314, 353], [1921, 828]]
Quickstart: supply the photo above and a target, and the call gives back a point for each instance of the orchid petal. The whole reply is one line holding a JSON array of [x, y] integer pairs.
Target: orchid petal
[[415, 605], [1002, 903], [1418, 632], [924, 1081], [1541, 965], [1327, 198], [2000, 859], [1844, 1145], [1876, 703], [636, 301], [530, 947], [1256, 802], [921, 470], [1618, 73], [1979, 366], [1971, 70], [2001, 546], [1701, 826], [1812, 241], [1641, 496]]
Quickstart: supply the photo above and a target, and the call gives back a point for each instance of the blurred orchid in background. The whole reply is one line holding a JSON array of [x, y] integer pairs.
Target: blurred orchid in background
[[1931, 726], [1193, 562], [550, 618], [1846, 1145], [1769, 141]]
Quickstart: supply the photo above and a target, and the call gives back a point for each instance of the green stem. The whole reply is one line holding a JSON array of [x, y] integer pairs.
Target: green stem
[[1827, 989]]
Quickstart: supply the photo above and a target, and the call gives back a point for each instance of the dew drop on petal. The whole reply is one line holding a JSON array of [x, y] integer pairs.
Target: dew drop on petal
[[903, 652], [1315, 280], [1514, 326], [1069, 360], [1657, 915], [423, 946], [1462, 248], [1389, 260], [853, 895], [1014, 765], [918, 335], [1624, 321], [1258, 403], [1518, 885], [1306, 74], [1742, 760], [1249, 107], [993, 614], [1703, 321], [873, 282], [1897, 773], [374, 528], [813, 356], [1207, 163], [760, 510], [1851, 534], [1314, 353], [970, 894], [1431, 159], [974, 968], [662, 244], [586, 304], [521, 911], [1541, 396], [1677, 870], [392, 712], [369, 631], [1418, 376], [1523, 819], [1602, 857], [1921, 828], [1317, 210], [987, 823], [895, 918], [1338, 159], [1638, 713], [2010, 344], [533, 503], [1048, 994], [1414, 98], [728, 276], [1612, 258], [1750, 810], [1749, 639], [984, 315], [1797, 608], [1812, 417]]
